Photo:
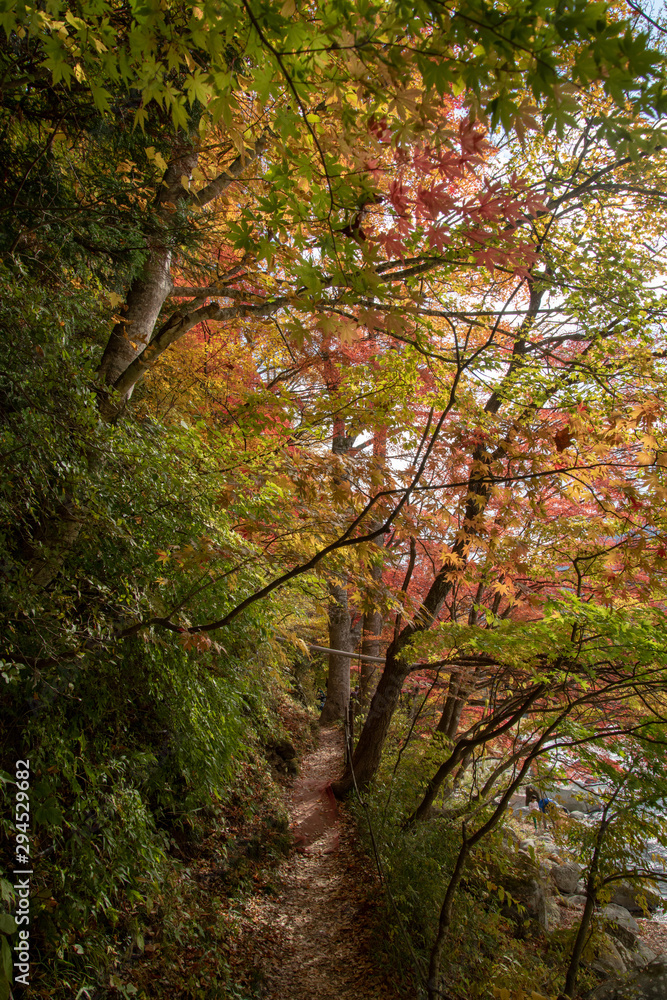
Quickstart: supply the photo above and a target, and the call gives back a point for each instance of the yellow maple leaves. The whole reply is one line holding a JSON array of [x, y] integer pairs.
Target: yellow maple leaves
[[503, 994]]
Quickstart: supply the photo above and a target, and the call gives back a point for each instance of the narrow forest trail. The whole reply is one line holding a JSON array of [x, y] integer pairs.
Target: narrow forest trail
[[312, 941]]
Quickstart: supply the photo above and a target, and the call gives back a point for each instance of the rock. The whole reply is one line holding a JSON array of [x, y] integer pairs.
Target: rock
[[607, 957], [657, 970], [649, 984], [535, 898], [577, 814], [622, 925], [574, 798], [575, 902], [636, 958], [284, 749], [628, 956], [566, 876], [511, 838], [282, 755], [629, 896], [546, 842], [548, 913], [606, 990], [643, 953]]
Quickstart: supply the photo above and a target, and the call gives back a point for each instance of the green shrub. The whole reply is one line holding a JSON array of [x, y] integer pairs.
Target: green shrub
[[485, 947]]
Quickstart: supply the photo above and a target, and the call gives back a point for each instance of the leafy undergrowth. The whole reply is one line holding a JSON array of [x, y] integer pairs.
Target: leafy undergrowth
[[493, 943], [183, 939], [486, 948]]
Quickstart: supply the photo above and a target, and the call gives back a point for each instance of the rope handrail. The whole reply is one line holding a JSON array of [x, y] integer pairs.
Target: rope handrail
[[457, 661], [345, 652]]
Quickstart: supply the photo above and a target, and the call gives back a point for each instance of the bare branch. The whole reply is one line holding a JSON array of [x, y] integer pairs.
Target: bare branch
[[178, 325], [228, 176]]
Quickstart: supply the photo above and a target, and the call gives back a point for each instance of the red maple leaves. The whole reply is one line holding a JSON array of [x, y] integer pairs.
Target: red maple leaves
[[444, 197]]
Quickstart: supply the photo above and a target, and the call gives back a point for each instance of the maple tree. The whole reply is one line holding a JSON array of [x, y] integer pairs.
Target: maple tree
[[338, 320]]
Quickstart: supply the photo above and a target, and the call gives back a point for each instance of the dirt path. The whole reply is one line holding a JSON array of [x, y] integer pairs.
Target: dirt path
[[313, 940]]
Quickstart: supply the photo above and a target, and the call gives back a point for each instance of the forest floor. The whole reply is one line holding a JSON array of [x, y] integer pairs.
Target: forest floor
[[313, 940]]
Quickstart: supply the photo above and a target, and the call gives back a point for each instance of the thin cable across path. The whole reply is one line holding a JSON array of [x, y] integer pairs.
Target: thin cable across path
[[313, 940]]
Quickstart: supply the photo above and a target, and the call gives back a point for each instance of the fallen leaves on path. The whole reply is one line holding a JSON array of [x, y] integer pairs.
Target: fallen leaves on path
[[312, 940]]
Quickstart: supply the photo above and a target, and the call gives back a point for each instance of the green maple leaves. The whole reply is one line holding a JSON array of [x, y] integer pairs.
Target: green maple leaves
[[177, 56]]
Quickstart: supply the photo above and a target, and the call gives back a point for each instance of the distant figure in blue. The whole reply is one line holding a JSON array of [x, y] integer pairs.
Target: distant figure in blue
[[532, 795], [321, 698]]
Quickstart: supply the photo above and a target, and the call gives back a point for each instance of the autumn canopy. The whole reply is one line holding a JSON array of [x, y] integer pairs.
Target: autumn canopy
[[336, 325]]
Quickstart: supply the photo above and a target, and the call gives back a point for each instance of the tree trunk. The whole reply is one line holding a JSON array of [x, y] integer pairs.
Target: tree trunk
[[467, 844], [450, 704], [445, 920], [340, 630], [369, 748], [591, 894], [372, 630], [464, 747], [133, 334], [460, 689], [150, 289], [368, 751], [340, 637], [145, 298], [373, 620]]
